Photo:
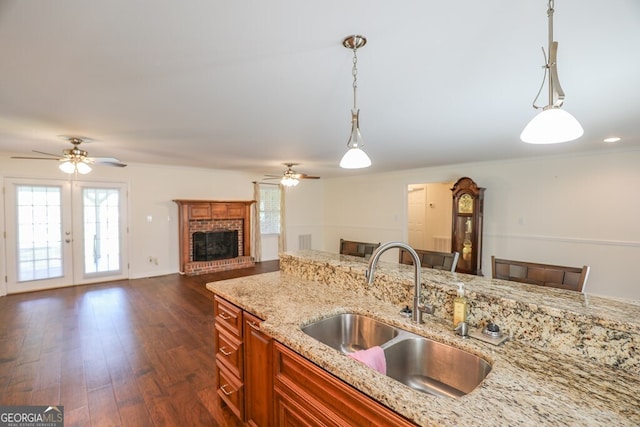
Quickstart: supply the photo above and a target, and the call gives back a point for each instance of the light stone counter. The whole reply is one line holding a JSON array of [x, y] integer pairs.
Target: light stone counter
[[530, 383]]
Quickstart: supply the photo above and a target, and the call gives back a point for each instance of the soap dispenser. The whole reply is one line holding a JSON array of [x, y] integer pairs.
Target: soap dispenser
[[460, 306]]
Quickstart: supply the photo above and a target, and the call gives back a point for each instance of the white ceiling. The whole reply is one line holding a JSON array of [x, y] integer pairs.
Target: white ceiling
[[251, 84]]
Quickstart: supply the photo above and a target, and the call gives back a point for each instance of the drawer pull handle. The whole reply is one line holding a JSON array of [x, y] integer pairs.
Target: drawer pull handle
[[224, 316], [225, 352], [254, 325], [226, 393]]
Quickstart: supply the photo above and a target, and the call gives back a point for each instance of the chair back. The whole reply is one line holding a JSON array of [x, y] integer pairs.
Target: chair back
[[555, 276], [359, 249], [431, 259]]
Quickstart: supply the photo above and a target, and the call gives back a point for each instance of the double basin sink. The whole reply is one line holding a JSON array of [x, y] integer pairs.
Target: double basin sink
[[418, 362]]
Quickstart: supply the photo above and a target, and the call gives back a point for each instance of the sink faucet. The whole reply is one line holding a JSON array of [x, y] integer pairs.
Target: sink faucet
[[418, 309]]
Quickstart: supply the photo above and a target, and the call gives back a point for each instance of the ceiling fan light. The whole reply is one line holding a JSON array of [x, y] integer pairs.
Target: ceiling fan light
[[289, 181], [83, 168], [67, 167], [552, 126], [355, 158]]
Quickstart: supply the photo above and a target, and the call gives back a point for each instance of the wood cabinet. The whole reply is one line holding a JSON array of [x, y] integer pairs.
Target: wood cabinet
[[264, 383], [305, 394], [229, 350], [467, 221], [243, 364], [258, 373]]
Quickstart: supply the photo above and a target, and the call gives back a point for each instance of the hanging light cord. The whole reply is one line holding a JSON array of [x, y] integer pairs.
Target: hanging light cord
[[547, 63], [354, 72], [544, 79]]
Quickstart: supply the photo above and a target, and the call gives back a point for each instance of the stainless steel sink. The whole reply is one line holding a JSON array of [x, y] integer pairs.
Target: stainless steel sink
[[435, 368], [350, 332], [420, 363]]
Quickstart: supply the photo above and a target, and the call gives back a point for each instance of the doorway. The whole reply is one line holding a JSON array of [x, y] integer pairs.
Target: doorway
[[64, 233], [429, 216]]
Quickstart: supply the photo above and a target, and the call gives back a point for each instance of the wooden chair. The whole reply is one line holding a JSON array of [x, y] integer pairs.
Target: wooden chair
[[439, 260], [555, 276], [361, 249]]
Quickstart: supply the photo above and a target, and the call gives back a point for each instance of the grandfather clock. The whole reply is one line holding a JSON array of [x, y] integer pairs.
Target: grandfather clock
[[466, 236]]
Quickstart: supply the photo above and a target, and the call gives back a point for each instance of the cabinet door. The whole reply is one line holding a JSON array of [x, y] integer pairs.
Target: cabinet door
[[289, 414], [258, 373], [321, 398]]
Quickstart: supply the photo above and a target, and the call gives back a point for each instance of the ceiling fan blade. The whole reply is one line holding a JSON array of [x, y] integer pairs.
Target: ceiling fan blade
[[46, 154], [305, 176], [109, 161], [33, 158]]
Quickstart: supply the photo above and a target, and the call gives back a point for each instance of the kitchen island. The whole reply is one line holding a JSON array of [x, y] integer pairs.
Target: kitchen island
[[536, 379]]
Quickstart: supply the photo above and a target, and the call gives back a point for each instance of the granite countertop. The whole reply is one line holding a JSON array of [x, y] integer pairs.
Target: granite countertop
[[527, 385]]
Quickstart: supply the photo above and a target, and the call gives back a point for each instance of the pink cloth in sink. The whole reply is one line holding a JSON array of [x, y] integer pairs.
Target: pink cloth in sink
[[372, 357]]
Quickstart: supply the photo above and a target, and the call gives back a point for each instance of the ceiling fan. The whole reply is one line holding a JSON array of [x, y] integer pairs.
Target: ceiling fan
[[74, 159], [290, 177]]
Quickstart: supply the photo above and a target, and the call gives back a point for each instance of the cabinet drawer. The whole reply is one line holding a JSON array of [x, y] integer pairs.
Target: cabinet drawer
[[231, 391], [326, 397], [228, 316], [229, 352]]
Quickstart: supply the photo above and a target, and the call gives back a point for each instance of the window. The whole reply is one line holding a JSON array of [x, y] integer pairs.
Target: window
[[269, 209], [39, 232]]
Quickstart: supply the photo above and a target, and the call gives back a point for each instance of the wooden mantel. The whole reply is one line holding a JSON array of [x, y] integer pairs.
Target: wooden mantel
[[194, 212]]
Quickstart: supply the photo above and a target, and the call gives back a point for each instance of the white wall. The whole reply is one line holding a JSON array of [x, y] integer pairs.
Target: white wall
[[567, 210], [560, 210], [151, 191], [305, 213]]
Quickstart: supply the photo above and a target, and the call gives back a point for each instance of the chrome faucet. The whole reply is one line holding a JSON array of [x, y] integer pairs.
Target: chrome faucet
[[418, 309]]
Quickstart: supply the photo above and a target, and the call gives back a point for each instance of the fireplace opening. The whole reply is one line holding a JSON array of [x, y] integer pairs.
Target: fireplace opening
[[214, 245]]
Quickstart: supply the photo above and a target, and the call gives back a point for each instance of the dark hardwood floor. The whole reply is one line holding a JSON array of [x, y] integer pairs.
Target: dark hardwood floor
[[126, 353]]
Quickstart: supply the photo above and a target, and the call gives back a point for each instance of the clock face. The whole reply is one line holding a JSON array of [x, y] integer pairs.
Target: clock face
[[465, 204]]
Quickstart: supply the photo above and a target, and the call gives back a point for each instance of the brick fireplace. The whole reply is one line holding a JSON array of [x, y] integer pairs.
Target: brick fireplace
[[209, 218]]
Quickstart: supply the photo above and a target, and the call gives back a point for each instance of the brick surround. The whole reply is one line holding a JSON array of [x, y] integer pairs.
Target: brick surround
[[203, 215]]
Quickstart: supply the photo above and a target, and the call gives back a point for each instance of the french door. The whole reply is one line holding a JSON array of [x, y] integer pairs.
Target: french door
[[64, 233]]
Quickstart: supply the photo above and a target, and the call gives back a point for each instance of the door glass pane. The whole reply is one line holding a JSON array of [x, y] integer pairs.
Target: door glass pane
[[39, 237], [101, 215]]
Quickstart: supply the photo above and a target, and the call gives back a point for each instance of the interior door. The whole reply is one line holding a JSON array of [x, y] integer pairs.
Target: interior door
[[63, 233]]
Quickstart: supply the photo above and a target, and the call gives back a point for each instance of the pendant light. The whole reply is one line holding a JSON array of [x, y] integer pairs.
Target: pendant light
[[355, 158], [552, 125]]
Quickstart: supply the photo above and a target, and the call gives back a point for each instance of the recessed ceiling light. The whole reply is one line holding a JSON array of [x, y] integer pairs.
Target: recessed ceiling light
[[612, 139]]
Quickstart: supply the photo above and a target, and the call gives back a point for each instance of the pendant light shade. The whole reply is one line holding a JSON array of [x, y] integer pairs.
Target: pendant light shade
[[355, 157], [552, 125]]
